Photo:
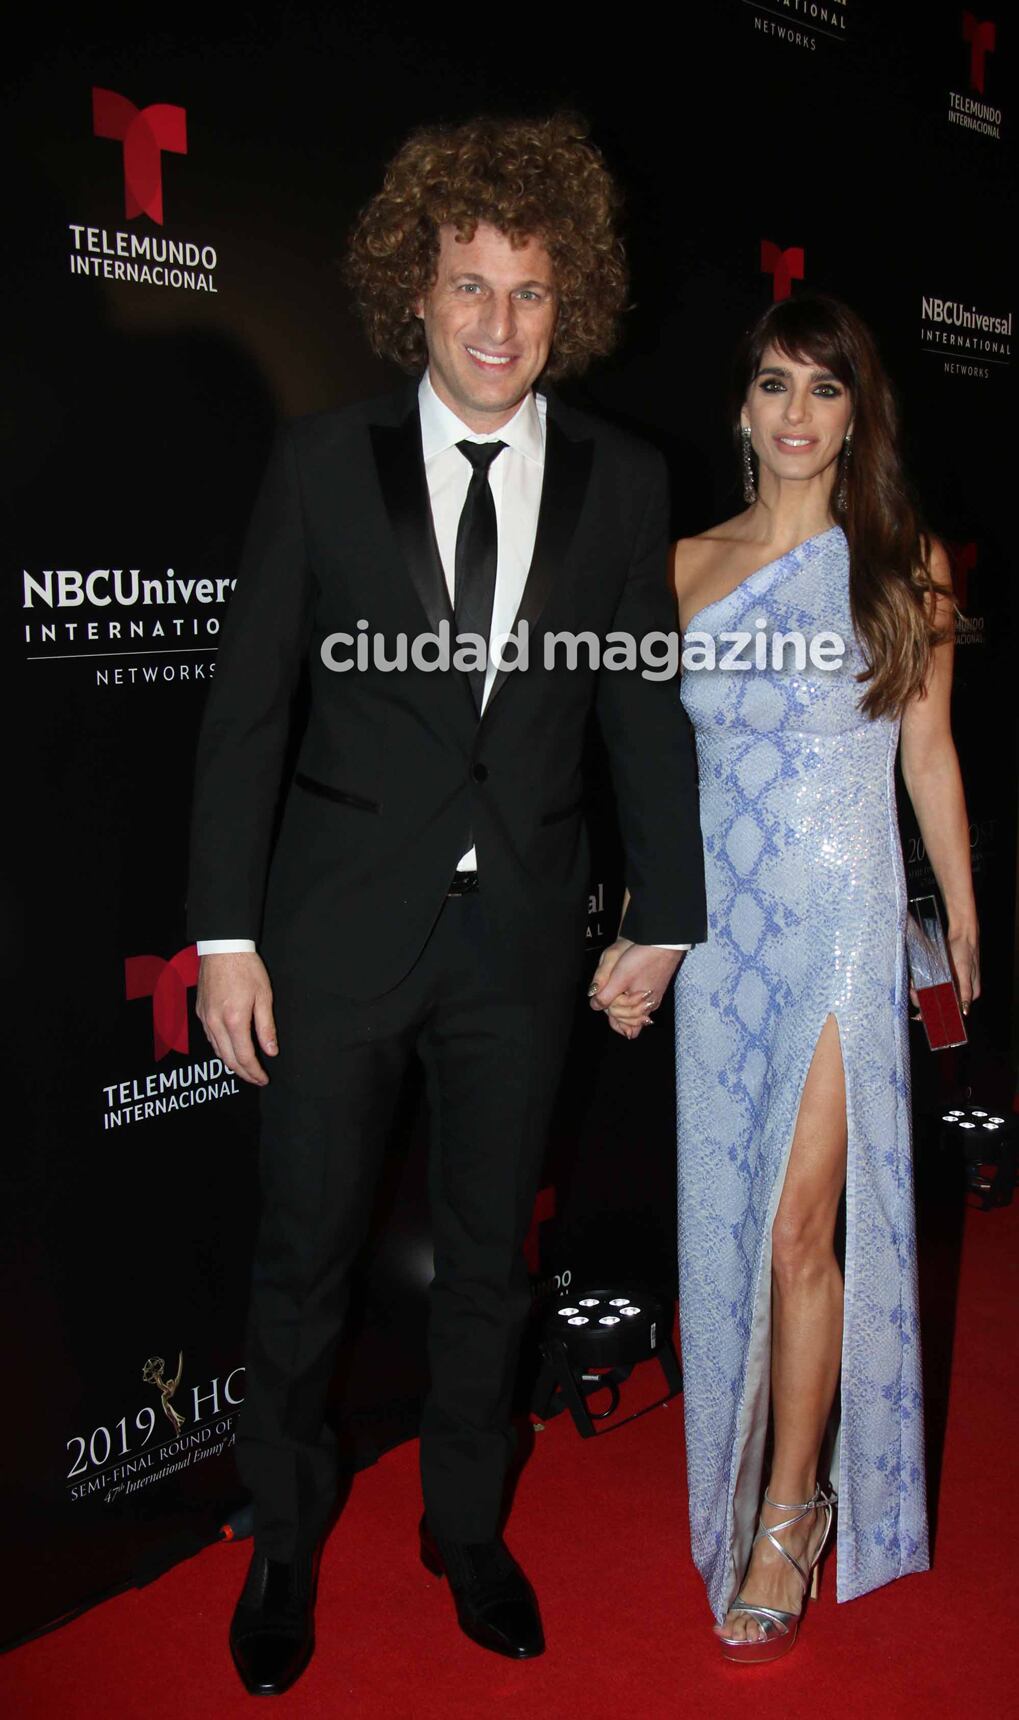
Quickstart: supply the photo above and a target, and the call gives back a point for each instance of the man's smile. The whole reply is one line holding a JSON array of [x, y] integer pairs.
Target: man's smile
[[489, 358]]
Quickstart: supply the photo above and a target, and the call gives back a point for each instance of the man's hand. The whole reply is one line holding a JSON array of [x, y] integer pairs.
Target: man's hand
[[635, 978], [233, 992]]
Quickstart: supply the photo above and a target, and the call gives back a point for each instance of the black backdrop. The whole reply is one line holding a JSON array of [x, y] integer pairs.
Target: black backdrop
[[862, 148]]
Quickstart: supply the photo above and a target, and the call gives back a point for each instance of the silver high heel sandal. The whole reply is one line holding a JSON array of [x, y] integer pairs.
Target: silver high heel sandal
[[778, 1629]]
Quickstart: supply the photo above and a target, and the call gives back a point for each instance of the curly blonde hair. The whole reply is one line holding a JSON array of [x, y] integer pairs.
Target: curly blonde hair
[[528, 179]]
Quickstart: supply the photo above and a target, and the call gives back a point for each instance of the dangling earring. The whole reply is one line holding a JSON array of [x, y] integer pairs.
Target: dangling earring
[[842, 493], [749, 487]]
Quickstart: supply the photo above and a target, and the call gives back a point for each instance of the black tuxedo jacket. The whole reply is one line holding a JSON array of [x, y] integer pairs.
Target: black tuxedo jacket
[[395, 773]]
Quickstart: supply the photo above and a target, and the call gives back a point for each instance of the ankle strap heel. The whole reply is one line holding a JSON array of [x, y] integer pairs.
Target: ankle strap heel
[[779, 1628]]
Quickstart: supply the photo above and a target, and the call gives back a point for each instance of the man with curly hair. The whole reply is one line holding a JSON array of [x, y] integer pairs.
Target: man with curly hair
[[416, 885]]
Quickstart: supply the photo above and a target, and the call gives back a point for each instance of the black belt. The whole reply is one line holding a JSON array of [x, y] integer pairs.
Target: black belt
[[464, 884]]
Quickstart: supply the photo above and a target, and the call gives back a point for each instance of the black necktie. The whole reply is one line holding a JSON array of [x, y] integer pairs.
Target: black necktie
[[477, 553]]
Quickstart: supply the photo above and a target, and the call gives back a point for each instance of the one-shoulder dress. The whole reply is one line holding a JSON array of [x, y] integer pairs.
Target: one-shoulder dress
[[806, 916]]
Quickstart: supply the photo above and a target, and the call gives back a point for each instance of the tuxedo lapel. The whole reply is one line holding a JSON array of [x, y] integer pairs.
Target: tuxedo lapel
[[563, 491], [401, 468]]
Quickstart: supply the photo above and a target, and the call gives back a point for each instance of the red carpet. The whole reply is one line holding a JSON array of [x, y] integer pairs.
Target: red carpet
[[601, 1525]]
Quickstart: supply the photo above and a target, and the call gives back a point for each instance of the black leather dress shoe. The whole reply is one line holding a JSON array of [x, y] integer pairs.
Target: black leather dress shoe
[[495, 1603], [272, 1635]]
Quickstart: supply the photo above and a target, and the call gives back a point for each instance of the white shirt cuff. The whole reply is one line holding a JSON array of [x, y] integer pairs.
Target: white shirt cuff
[[653, 946], [226, 946]]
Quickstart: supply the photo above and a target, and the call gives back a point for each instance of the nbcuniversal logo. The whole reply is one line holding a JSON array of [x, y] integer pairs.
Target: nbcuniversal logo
[[953, 329], [799, 23], [108, 618]]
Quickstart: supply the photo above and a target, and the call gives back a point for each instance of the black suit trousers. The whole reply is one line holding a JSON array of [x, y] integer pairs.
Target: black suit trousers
[[492, 1064]]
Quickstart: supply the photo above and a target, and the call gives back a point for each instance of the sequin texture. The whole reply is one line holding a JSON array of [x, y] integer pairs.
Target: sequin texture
[[806, 909]]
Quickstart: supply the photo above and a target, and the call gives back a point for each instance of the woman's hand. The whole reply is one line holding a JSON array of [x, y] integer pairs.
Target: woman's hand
[[623, 1021], [649, 969], [607, 961], [630, 1012], [964, 950]]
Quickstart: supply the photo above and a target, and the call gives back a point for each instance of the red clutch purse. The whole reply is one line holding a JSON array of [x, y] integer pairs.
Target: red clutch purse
[[930, 975]]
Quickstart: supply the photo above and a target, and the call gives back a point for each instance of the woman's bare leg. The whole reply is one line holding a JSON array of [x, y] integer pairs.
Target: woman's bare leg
[[806, 1331]]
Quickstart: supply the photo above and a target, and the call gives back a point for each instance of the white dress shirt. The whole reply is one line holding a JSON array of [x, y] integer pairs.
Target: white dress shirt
[[515, 478]]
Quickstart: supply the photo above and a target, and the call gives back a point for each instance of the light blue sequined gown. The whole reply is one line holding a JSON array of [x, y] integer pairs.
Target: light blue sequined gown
[[806, 909]]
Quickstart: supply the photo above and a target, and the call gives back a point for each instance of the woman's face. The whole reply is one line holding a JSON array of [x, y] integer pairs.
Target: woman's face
[[799, 415]]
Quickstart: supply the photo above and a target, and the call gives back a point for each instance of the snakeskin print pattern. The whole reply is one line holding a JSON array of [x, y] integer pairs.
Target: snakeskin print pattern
[[806, 909]]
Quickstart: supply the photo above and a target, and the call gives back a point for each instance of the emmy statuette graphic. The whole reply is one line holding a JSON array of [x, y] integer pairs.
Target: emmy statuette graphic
[[152, 1374]]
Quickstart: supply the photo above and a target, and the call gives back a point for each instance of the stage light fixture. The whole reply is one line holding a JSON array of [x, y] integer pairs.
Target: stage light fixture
[[592, 1352], [988, 1143]]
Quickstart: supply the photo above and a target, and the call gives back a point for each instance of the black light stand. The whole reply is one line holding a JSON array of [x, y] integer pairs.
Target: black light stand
[[591, 1342], [987, 1140]]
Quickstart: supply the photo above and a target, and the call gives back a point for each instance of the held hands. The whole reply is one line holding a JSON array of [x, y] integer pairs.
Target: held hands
[[630, 982], [233, 992]]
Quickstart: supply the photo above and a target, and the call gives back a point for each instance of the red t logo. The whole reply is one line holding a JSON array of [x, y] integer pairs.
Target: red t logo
[[981, 35], [144, 133], [784, 267], [168, 984], [962, 560]]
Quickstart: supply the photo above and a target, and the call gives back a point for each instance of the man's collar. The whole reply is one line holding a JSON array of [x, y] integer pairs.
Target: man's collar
[[441, 428]]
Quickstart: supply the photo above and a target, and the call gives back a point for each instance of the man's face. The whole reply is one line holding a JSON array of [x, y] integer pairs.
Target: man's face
[[489, 318]]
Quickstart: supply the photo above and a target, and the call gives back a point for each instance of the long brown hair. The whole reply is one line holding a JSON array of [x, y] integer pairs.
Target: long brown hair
[[891, 588], [528, 178]]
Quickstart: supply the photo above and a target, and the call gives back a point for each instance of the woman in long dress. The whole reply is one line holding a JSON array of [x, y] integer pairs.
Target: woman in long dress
[[792, 1048]]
